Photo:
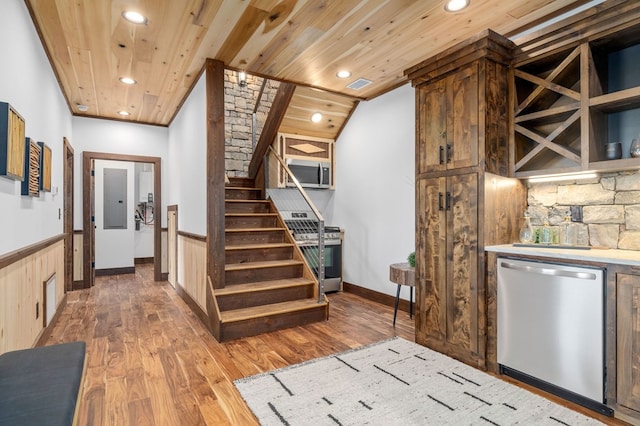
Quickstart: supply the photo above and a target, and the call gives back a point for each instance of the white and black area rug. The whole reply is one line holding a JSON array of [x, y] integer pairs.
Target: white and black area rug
[[395, 382]]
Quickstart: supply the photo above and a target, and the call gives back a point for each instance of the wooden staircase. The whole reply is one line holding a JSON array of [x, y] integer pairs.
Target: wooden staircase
[[268, 286]]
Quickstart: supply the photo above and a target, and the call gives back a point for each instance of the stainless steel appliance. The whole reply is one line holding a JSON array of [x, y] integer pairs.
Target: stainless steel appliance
[[310, 174], [551, 328], [305, 233]]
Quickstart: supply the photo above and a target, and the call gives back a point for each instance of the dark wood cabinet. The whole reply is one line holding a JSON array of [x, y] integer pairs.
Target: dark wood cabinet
[[574, 89], [628, 339], [449, 297], [450, 106], [461, 161]]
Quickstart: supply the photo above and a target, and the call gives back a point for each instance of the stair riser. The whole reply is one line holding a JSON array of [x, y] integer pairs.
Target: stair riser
[[237, 222], [262, 274], [244, 182], [247, 207], [243, 194], [253, 237], [258, 298], [258, 255], [255, 326]]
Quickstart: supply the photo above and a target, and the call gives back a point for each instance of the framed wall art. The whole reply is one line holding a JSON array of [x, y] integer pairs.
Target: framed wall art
[[12, 143], [45, 167]]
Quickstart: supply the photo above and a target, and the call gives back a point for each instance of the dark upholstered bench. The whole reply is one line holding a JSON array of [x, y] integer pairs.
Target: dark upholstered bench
[[40, 386]]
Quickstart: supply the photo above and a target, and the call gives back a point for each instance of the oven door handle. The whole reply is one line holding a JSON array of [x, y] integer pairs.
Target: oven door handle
[[313, 243]]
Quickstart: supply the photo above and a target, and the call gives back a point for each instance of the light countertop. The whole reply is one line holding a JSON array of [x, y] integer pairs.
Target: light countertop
[[622, 257]]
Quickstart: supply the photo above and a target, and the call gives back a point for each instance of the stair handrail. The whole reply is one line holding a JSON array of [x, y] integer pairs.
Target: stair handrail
[[316, 212], [254, 115]]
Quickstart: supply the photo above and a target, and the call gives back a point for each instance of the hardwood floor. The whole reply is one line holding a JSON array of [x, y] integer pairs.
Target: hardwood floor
[[151, 361]]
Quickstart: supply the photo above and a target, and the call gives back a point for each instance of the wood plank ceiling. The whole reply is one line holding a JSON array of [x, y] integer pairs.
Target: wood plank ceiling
[[305, 42]]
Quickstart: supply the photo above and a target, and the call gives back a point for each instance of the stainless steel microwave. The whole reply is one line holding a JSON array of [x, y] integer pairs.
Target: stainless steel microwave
[[310, 174]]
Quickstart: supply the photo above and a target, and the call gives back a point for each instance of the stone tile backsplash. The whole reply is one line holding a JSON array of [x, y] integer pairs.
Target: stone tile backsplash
[[609, 207]]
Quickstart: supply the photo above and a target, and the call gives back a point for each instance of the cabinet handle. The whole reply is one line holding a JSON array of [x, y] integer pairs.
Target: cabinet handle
[[449, 152], [441, 154], [448, 201], [440, 201]]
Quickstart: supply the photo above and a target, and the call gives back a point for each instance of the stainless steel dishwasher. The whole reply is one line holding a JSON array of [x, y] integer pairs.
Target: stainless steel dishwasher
[[551, 328]]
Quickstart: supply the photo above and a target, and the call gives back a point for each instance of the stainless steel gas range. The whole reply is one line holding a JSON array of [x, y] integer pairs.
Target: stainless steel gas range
[[304, 228]]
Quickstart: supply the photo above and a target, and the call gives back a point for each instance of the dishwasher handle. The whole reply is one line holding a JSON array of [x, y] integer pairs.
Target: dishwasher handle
[[549, 271]]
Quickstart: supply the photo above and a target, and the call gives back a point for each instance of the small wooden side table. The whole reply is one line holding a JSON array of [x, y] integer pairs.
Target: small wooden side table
[[402, 274]]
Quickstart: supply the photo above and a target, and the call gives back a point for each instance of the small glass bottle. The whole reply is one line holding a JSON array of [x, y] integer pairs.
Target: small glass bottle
[[526, 232], [545, 233], [635, 148], [569, 236]]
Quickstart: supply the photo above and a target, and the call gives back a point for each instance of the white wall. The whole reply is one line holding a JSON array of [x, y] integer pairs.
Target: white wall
[[29, 85], [144, 237], [188, 153], [114, 247], [117, 137], [374, 195]]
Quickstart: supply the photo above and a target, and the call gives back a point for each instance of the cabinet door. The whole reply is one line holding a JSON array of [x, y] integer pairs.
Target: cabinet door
[[447, 267], [431, 261], [431, 126], [628, 340], [462, 266], [462, 118], [447, 124]]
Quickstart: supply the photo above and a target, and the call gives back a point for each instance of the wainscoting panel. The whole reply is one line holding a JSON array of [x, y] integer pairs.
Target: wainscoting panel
[[192, 268], [77, 256], [164, 265], [22, 298]]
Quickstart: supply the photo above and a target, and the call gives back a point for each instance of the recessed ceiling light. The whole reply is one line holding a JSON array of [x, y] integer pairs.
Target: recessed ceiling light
[[134, 17], [124, 113], [127, 80], [343, 74], [316, 117], [81, 107], [456, 5]]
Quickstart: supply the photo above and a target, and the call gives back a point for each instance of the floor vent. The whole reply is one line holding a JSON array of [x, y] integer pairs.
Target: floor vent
[[359, 84], [50, 302]]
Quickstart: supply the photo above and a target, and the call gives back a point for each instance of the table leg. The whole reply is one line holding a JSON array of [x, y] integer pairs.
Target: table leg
[[410, 302], [395, 311]]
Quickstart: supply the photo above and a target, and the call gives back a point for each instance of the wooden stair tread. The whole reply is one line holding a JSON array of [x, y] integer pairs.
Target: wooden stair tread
[[251, 214], [268, 310], [253, 229], [262, 285], [258, 265], [243, 188], [257, 246], [231, 200]]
